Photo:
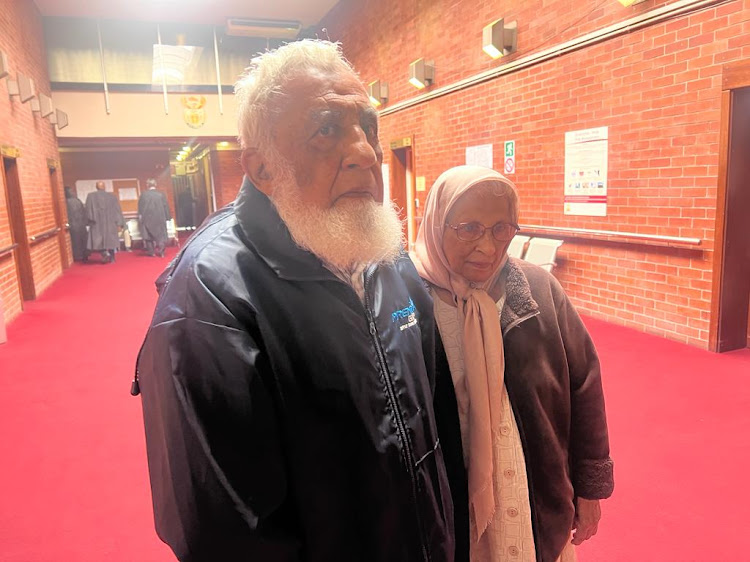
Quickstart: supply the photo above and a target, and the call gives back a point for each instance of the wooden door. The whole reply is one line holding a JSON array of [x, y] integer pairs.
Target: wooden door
[[20, 236], [127, 192], [402, 189], [730, 319], [57, 196]]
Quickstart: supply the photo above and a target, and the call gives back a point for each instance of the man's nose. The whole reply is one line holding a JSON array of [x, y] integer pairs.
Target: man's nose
[[358, 152]]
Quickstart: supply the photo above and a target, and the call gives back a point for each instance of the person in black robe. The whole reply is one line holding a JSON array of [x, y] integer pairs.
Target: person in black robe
[[153, 212], [105, 219], [76, 224]]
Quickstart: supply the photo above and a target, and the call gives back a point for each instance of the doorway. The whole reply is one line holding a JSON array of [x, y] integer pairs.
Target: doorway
[[16, 218], [57, 210], [402, 186], [730, 318]]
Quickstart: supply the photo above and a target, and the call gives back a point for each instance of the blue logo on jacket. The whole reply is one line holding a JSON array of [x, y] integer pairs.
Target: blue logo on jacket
[[408, 313]]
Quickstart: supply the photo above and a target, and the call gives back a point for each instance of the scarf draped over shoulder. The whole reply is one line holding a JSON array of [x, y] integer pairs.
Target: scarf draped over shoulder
[[482, 335]]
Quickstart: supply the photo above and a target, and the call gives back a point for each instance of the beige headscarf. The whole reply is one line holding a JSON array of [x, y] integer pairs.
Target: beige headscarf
[[482, 335]]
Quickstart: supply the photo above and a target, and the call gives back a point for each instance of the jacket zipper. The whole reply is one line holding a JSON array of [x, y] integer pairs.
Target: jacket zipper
[[400, 424], [519, 320]]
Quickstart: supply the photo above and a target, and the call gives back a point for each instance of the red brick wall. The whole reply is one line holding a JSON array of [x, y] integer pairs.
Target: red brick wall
[[657, 89], [227, 174], [119, 164], [21, 38]]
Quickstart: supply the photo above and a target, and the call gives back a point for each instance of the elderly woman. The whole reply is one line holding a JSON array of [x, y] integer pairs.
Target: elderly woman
[[526, 376]]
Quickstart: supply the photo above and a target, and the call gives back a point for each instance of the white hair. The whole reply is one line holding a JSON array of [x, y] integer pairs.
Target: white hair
[[263, 82]]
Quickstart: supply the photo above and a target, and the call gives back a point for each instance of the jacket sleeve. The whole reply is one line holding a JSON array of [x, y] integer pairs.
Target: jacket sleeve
[[217, 475], [591, 466]]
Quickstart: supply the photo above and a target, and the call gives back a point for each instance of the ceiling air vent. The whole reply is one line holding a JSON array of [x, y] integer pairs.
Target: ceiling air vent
[[272, 29]]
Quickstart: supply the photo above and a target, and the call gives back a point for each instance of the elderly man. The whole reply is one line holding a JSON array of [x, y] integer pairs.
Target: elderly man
[[153, 213], [104, 219], [287, 375]]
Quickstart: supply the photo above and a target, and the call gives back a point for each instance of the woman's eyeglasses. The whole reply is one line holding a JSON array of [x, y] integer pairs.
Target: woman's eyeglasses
[[471, 231]]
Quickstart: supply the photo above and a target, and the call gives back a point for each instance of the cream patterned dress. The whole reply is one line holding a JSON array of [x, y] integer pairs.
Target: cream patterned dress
[[509, 536]]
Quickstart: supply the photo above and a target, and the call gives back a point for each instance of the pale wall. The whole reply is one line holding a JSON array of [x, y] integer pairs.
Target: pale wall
[[140, 115]]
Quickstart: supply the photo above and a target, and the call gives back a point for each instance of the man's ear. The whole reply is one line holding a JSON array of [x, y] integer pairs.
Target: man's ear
[[256, 168]]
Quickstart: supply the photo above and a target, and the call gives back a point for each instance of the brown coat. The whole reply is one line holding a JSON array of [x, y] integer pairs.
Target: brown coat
[[553, 379]]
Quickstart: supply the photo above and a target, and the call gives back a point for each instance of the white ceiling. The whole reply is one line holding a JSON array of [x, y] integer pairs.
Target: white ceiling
[[309, 12]]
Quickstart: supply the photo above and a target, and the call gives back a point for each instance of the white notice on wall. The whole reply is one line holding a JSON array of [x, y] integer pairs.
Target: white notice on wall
[[586, 172], [480, 155], [128, 194]]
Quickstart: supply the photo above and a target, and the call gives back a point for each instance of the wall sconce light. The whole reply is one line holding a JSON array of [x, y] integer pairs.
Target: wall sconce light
[[23, 87], [43, 105], [59, 118], [500, 38], [421, 73], [4, 70], [377, 91]]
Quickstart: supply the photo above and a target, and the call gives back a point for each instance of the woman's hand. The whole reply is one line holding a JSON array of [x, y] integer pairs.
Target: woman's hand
[[586, 521]]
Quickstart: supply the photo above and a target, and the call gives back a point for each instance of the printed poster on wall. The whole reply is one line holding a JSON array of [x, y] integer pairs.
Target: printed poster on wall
[[128, 194], [586, 172], [480, 155]]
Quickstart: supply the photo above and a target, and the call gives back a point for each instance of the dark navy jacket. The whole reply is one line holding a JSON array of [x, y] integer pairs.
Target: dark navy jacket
[[285, 420]]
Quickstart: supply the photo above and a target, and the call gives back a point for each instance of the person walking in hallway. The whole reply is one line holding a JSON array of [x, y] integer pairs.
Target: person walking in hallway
[[287, 376], [104, 219], [76, 224], [153, 213]]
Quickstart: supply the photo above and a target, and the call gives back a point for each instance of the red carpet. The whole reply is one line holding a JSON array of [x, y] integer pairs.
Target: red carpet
[[73, 478], [679, 424]]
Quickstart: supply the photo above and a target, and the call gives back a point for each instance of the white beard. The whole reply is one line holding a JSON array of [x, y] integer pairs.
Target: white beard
[[353, 232]]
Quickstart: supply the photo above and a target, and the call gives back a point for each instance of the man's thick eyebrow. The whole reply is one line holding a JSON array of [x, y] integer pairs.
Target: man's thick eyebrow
[[369, 113], [321, 115]]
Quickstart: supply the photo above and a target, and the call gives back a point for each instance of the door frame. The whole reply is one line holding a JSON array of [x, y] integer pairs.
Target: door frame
[[17, 220], [735, 75], [402, 169], [54, 182]]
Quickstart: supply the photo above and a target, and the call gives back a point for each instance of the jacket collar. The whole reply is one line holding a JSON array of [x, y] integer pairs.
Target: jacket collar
[[264, 231], [519, 304]]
